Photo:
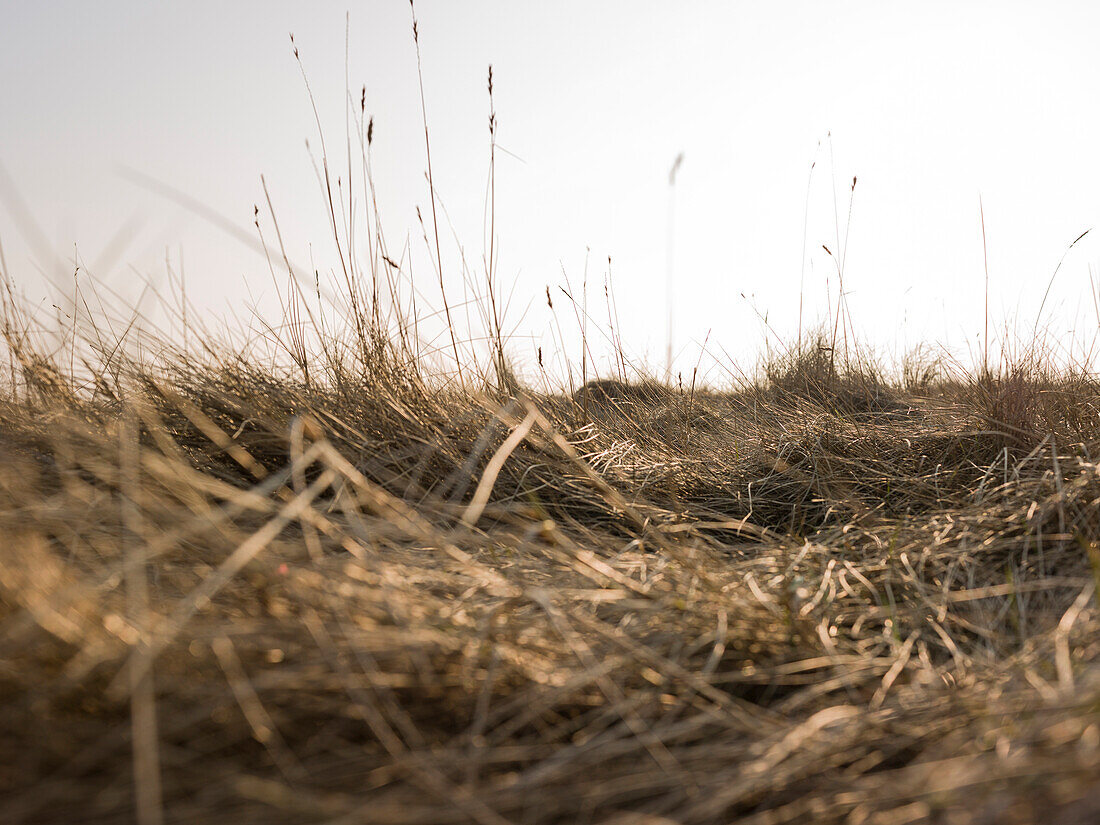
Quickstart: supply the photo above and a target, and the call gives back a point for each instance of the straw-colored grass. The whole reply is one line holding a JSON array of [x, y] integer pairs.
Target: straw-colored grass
[[230, 595], [340, 585]]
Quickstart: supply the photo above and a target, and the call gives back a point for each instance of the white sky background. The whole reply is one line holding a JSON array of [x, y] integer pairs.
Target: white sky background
[[929, 104]]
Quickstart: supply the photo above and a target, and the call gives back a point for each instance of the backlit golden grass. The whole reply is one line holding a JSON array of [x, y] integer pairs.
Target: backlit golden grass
[[320, 577], [229, 593]]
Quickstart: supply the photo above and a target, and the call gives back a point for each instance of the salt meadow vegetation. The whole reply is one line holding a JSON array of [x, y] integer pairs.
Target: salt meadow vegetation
[[324, 575]]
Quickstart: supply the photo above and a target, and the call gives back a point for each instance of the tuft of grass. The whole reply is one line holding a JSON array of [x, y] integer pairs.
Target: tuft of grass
[[814, 372]]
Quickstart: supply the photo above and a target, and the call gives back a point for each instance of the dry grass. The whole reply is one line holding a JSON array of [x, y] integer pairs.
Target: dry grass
[[229, 594], [339, 586]]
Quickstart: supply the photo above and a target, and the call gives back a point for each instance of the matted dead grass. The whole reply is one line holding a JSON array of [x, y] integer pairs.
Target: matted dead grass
[[228, 593]]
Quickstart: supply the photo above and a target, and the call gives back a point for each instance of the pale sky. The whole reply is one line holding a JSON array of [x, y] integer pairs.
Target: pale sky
[[932, 105]]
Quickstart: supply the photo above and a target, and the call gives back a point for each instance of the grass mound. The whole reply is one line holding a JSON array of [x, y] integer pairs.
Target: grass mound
[[356, 594]]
